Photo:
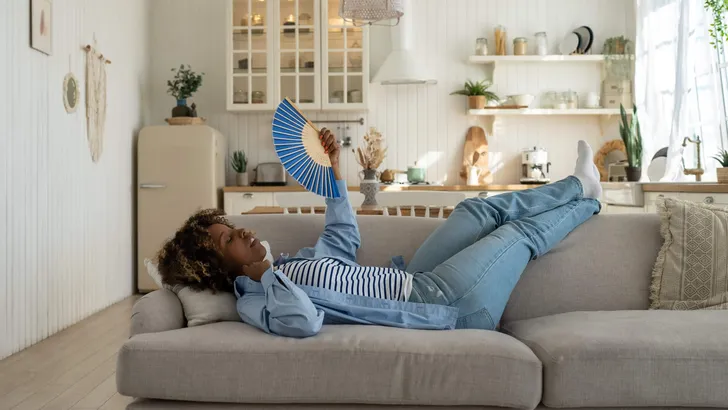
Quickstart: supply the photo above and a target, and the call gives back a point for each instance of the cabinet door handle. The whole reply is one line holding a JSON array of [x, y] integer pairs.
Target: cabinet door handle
[[660, 196], [709, 200], [152, 186], [248, 196]]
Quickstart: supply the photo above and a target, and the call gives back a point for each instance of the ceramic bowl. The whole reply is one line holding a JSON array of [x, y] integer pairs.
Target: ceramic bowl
[[522, 99]]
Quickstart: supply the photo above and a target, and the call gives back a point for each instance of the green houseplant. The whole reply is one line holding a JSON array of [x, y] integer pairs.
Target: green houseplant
[[239, 163], [182, 86], [477, 93], [632, 138], [722, 172], [718, 28]]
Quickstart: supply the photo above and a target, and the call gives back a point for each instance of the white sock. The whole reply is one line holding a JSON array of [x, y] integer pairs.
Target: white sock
[[587, 172]]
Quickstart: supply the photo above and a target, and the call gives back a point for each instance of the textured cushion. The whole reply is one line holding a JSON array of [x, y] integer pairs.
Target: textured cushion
[[157, 311], [692, 267], [630, 358], [233, 362], [203, 307], [604, 264]]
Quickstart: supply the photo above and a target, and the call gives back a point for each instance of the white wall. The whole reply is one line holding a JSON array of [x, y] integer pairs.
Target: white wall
[[66, 247], [416, 120]]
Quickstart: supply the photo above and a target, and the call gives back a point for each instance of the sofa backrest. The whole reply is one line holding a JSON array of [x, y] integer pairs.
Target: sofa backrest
[[603, 265]]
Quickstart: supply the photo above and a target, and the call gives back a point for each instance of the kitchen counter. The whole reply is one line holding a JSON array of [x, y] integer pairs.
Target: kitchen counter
[[389, 188], [694, 187]]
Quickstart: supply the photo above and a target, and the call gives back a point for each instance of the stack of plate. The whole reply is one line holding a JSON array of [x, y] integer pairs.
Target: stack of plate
[[579, 41]]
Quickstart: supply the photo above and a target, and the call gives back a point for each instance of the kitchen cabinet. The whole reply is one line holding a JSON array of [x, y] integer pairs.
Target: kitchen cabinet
[[241, 202], [297, 49]]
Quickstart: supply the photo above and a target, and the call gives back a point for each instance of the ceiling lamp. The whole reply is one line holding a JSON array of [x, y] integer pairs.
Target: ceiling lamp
[[369, 12]]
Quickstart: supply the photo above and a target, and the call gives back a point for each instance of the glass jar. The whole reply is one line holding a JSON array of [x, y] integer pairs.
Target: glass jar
[[500, 40], [481, 47], [542, 44], [240, 97], [258, 97], [549, 99], [520, 46], [571, 99]]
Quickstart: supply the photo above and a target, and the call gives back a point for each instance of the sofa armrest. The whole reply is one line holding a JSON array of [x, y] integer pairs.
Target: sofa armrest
[[157, 311]]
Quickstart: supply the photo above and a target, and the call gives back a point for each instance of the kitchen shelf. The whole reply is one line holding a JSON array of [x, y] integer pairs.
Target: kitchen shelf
[[545, 111], [589, 58]]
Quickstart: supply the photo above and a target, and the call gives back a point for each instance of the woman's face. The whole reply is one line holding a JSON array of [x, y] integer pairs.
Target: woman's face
[[239, 247]]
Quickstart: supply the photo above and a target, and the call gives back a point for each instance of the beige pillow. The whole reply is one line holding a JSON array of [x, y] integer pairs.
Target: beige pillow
[[691, 271]]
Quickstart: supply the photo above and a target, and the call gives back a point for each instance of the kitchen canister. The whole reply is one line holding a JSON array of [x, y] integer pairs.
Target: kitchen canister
[[542, 44], [481, 47], [520, 46]]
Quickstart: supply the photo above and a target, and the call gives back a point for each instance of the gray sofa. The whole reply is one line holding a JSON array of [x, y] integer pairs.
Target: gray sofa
[[575, 334]]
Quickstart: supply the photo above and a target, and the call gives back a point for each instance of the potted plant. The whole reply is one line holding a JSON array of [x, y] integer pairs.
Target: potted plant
[[477, 93], [370, 156], [722, 158], [616, 45], [240, 166], [718, 28], [632, 138], [182, 86]]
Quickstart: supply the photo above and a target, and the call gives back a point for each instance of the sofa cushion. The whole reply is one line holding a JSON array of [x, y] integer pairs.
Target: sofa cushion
[[233, 362], [630, 358]]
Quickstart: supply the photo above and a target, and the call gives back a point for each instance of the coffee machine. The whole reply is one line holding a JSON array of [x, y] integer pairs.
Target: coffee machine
[[535, 166]]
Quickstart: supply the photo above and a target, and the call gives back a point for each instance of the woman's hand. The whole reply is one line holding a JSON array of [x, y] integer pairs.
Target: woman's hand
[[332, 148], [256, 270]]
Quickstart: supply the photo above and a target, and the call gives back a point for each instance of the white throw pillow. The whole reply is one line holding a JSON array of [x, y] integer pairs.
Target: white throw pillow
[[203, 307]]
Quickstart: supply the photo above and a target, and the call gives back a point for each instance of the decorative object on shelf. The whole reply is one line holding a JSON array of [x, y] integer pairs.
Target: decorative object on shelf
[[698, 171], [616, 46], [592, 100], [71, 93], [258, 97], [542, 44], [415, 174], [193, 110], [95, 100], [570, 44], [718, 28], [519, 101], [586, 39], [611, 152], [535, 166], [501, 36], [182, 86], [571, 98], [477, 93], [370, 156], [632, 138], [186, 121], [41, 26], [481, 47], [722, 172], [297, 144], [239, 162], [520, 46], [355, 96], [240, 97], [371, 12]]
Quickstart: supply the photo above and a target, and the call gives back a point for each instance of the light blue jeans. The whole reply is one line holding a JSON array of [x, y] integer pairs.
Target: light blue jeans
[[474, 260]]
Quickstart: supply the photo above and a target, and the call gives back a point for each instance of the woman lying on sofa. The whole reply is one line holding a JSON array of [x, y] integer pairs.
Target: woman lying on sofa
[[461, 276]]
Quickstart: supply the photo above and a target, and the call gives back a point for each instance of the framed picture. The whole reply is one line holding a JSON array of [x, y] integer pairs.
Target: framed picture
[[41, 25]]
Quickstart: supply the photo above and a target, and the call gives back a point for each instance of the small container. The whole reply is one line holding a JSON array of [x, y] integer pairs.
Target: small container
[[520, 46], [571, 99], [481, 47], [560, 102], [258, 97], [549, 99], [240, 97], [542, 44], [501, 36]]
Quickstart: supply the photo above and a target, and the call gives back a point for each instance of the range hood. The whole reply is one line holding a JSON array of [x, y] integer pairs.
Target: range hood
[[401, 66]]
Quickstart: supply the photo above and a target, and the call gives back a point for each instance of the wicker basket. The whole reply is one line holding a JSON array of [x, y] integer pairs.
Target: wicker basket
[[186, 121]]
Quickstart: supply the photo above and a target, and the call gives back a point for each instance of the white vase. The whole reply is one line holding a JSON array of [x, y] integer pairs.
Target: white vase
[[241, 178], [473, 176]]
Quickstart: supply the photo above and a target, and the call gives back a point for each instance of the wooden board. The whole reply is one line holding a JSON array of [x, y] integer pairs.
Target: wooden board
[[475, 141], [185, 121]]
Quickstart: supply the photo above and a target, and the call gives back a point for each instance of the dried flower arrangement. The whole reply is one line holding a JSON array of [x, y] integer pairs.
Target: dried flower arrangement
[[372, 153]]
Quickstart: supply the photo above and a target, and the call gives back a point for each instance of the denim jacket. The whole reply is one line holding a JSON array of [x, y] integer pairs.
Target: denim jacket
[[278, 306]]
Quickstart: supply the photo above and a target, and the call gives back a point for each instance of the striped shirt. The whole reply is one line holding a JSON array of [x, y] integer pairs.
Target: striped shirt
[[331, 274]]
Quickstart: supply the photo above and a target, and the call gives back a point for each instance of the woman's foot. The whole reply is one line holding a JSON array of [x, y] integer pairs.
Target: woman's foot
[[587, 172]]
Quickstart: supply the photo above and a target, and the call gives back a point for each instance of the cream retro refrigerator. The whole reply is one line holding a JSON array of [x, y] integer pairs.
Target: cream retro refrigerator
[[180, 170]]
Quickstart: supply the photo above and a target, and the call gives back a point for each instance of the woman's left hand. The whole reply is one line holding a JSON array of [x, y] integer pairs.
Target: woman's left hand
[[332, 148]]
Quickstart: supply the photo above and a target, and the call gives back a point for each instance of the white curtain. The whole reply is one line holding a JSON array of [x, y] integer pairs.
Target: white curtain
[[678, 89]]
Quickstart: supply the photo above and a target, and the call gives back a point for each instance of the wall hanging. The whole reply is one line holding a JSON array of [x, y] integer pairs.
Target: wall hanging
[[71, 93], [41, 26], [95, 100]]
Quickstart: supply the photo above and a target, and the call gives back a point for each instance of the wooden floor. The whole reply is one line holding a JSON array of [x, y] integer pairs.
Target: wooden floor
[[73, 369]]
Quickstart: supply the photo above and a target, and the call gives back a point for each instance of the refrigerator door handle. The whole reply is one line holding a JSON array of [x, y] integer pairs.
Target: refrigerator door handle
[[152, 186]]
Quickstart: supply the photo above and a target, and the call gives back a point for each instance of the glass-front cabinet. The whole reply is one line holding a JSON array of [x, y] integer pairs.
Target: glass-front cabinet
[[297, 49]]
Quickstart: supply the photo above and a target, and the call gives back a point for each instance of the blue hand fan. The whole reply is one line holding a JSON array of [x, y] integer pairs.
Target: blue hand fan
[[297, 144]]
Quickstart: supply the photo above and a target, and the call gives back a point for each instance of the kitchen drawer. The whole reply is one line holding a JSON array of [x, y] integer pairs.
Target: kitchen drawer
[[710, 199], [241, 202]]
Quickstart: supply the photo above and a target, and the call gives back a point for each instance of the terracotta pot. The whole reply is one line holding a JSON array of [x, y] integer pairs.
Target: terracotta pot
[[722, 175], [476, 102], [634, 174]]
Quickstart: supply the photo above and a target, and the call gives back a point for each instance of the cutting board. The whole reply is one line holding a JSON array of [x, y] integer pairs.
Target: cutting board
[[475, 141]]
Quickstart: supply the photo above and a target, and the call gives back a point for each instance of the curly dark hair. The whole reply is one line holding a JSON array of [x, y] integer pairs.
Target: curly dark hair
[[191, 258]]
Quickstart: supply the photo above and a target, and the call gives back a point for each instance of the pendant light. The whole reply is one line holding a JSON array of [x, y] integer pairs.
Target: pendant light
[[370, 12]]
